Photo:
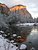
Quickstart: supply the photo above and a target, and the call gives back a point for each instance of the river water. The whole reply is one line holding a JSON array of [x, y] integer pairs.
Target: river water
[[24, 35]]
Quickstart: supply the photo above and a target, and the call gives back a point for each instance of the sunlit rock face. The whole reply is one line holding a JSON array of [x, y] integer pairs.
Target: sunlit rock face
[[4, 9], [21, 13], [17, 7]]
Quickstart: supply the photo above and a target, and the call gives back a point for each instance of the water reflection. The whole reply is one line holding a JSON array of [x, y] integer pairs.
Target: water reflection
[[33, 37], [24, 32], [34, 34], [19, 34]]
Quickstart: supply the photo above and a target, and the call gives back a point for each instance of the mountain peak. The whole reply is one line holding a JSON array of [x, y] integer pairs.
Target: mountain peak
[[2, 5], [4, 8], [17, 7]]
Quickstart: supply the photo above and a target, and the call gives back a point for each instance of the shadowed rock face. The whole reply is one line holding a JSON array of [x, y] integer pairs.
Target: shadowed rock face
[[4, 8]]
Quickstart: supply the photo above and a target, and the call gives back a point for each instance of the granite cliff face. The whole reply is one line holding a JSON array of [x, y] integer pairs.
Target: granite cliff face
[[18, 14], [21, 14]]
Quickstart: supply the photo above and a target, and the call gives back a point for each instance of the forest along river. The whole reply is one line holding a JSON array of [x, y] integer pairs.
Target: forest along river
[[27, 35]]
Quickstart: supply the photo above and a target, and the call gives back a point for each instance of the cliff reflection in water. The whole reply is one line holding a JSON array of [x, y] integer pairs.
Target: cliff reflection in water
[[19, 34]]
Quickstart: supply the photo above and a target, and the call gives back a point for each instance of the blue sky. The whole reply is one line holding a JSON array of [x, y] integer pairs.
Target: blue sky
[[32, 5]]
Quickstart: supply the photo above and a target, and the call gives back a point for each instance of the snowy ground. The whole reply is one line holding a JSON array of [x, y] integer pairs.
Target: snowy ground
[[4, 45]]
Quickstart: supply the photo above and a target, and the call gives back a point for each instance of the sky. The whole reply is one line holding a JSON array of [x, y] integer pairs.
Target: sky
[[31, 5]]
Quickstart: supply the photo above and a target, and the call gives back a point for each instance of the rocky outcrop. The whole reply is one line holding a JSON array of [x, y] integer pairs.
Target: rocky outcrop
[[4, 9], [21, 14]]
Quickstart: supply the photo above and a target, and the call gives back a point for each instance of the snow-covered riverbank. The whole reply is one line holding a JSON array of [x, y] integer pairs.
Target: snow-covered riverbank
[[26, 24]]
